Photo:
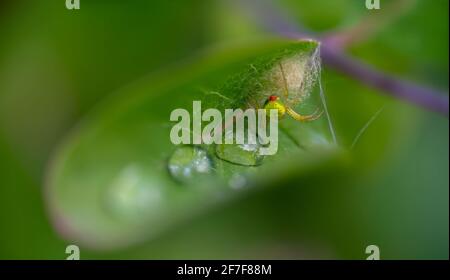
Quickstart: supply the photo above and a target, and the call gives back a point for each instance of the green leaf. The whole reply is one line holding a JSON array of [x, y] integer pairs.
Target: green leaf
[[118, 179]]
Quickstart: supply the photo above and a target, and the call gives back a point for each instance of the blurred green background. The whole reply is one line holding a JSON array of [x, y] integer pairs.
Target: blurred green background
[[58, 66]]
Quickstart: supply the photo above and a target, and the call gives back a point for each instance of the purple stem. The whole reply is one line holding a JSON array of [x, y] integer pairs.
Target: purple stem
[[277, 21], [419, 95]]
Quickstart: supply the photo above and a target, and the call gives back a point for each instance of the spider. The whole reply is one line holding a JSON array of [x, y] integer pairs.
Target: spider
[[275, 102]]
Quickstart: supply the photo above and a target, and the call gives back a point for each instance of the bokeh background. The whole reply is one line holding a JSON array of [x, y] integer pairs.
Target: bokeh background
[[57, 65]]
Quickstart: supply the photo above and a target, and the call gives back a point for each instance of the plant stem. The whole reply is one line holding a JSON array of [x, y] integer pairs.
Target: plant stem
[[419, 95]]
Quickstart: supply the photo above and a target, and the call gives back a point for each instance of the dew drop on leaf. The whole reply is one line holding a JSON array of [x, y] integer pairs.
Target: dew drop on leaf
[[247, 154], [237, 181], [189, 163], [131, 194]]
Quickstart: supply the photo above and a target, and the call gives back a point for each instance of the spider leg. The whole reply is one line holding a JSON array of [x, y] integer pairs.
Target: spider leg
[[255, 105], [304, 118], [286, 91]]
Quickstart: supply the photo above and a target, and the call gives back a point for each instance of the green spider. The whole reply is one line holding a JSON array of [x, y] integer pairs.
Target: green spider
[[274, 102]]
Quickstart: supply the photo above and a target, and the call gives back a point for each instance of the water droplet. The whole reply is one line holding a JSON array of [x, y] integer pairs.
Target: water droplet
[[189, 162], [242, 154], [237, 181], [132, 194]]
